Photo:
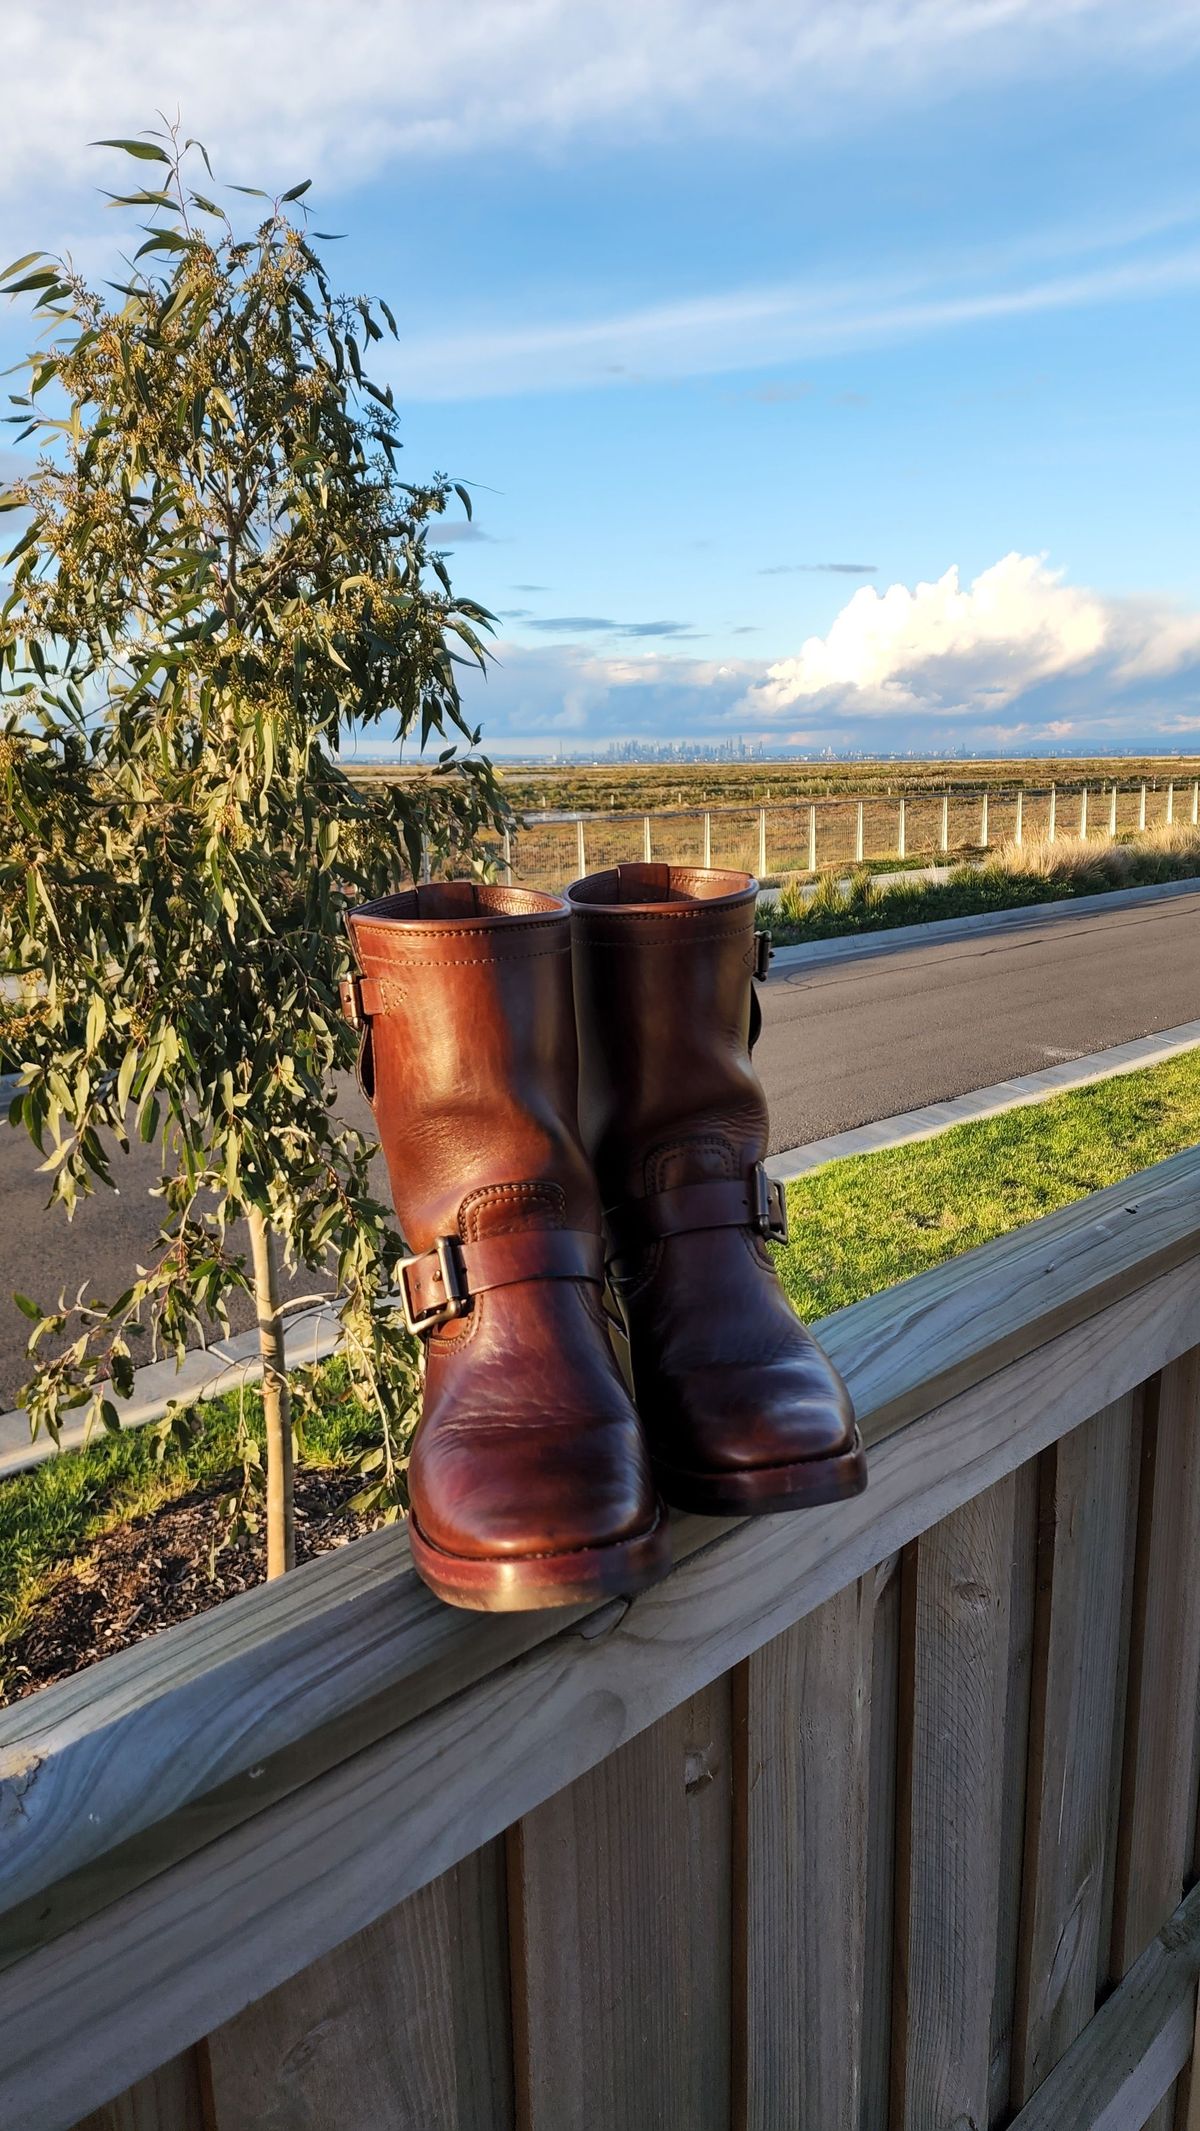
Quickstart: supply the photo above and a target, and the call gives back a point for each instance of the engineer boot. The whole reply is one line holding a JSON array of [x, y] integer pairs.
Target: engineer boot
[[530, 1483], [742, 1410]]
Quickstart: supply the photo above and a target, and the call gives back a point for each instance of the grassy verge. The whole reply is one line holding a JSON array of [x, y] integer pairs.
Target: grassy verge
[[863, 1224], [53, 1512], [1015, 877], [857, 1226]]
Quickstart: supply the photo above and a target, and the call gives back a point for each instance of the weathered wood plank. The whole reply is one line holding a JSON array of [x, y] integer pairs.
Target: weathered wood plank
[[881, 1849], [1014, 1775], [620, 1890], [169, 2099], [1158, 1804], [803, 1766], [405, 2027], [1077, 1632], [140, 1980], [1126, 2058], [955, 1593], [1105, 1979], [290, 1680]]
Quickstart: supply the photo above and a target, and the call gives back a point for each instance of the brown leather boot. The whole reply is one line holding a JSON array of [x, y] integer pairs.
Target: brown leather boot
[[529, 1481], [742, 1410]]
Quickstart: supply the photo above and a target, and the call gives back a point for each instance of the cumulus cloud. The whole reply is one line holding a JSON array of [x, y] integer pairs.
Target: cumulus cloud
[[943, 648], [340, 90]]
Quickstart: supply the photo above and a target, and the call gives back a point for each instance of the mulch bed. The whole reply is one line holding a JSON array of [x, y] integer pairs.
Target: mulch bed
[[147, 1575]]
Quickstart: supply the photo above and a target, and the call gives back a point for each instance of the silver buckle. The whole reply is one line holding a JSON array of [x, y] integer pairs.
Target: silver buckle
[[770, 1206], [350, 995], [457, 1297]]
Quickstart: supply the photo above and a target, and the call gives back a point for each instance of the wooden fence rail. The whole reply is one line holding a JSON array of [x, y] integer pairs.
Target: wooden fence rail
[[881, 1818]]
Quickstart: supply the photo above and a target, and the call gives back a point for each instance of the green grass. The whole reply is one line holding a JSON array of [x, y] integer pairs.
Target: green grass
[[863, 1224], [53, 1512], [857, 1226], [864, 906]]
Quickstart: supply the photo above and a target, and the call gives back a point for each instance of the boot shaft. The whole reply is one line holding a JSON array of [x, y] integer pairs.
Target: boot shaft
[[663, 960], [469, 1057]]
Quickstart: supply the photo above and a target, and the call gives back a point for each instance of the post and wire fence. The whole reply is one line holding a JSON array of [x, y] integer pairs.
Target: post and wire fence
[[806, 836]]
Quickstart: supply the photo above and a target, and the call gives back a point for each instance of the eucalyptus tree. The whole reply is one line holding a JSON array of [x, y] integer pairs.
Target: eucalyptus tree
[[218, 575]]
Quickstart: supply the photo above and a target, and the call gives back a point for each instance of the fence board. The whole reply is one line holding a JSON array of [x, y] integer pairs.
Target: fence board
[[1014, 1777], [1158, 1807], [621, 1915], [404, 2027], [803, 1763], [881, 1850], [1078, 1631], [954, 1665], [170, 2099]]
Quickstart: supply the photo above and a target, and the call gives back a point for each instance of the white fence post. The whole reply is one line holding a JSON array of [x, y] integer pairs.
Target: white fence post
[[1112, 814], [507, 859], [580, 847], [812, 838], [1170, 804], [902, 833], [1195, 804], [1019, 825], [762, 842], [1052, 831], [858, 833], [983, 822], [1142, 808], [708, 839], [646, 851], [1083, 813], [945, 821]]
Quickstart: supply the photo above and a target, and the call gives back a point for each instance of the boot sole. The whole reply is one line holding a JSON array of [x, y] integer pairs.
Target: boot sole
[[762, 1490], [531, 1582]]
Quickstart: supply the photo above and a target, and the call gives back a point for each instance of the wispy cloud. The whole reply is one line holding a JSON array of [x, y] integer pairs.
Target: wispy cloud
[[834, 569], [457, 533], [603, 625]]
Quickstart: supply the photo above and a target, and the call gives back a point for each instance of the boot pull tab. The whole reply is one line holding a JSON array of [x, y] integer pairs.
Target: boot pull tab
[[356, 1011], [763, 952]]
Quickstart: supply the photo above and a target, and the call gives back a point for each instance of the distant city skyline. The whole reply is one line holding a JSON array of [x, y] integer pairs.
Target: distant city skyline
[[825, 376]]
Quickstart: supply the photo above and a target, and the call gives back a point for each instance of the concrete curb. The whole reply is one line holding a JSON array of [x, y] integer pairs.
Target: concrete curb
[[852, 945], [986, 1102]]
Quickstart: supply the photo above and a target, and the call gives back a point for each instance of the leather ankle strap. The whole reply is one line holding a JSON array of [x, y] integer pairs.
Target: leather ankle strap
[[438, 1284], [756, 1201]]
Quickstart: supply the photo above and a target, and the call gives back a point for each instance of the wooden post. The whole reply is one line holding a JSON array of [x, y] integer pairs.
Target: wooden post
[[1083, 798], [708, 839], [1142, 808], [945, 821], [1170, 804], [812, 838], [646, 839], [762, 842], [1052, 831], [580, 847], [1019, 829], [858, 834], [902, 833], [983, 822], [1195, 803], [1112, 814], [507, 868]]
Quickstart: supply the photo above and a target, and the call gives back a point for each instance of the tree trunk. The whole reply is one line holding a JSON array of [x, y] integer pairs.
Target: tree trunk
[[277, 1404]]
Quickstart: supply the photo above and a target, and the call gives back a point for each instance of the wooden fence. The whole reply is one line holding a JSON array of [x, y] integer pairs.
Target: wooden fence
[[880, 1818]]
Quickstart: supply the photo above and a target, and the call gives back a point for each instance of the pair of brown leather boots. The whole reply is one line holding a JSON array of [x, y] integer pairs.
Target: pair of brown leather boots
[[564, 1095]]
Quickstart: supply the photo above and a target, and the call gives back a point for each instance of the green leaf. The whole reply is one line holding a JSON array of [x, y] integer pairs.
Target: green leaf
[[145, 151], [30, 1309], [296, 191], [19, 264]]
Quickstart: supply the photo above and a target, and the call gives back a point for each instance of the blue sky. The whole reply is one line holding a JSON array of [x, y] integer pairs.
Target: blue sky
[[828, 374]]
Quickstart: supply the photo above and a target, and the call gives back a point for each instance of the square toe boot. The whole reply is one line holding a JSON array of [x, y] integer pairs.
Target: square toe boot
[[529, 1480], [742, 1409]]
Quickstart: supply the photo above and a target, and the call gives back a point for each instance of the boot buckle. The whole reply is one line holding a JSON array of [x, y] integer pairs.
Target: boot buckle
[[350, 997], [763, 952], [454, 1288], [770, 1217]]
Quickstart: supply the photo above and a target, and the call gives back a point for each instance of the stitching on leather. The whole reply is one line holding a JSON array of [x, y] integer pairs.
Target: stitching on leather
[[466, 961], [471, 929], [546, 1198]]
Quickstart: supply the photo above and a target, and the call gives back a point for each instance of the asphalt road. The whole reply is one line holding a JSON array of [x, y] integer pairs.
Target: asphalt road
[[843, 1043]]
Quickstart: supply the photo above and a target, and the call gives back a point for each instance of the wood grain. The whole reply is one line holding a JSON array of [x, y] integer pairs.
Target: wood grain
[[881, 1848], [1077, 1639], [1013, 1777], [620, 1891], [169, 2099], [954, 1667], [177, 1956], [803, 1769], [405, 2027], [108, 1778]]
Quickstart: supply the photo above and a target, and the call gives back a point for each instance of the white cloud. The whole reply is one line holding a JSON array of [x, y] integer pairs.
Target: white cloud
[[943, 649], [337, 91]]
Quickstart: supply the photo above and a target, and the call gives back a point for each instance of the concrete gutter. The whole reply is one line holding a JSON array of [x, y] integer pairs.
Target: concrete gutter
[[854, 944], [986, 1102]]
